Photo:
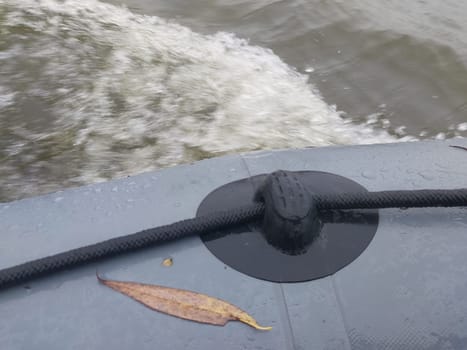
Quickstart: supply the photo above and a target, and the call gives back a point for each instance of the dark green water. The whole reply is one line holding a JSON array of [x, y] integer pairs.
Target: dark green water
[[91, 91]]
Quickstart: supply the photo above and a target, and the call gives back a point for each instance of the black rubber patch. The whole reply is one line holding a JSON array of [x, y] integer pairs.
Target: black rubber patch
[[344, 236]]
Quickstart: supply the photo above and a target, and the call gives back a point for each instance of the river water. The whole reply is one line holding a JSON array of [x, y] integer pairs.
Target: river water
[[92, 90]]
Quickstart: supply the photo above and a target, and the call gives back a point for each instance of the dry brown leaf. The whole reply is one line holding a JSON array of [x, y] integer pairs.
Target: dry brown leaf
[[183, 303]]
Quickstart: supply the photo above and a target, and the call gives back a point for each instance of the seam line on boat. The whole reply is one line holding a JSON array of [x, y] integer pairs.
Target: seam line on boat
[[341, 310], [245, 164], [289, 330]]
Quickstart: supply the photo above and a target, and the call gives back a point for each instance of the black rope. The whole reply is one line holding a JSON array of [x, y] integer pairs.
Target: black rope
[[221, 220], [392, 199], [196, 226]]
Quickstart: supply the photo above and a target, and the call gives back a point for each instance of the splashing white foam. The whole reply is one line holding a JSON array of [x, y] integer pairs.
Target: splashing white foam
[[128, 93]]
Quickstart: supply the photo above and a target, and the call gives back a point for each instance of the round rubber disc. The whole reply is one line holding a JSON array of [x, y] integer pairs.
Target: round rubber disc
[[343, 237]]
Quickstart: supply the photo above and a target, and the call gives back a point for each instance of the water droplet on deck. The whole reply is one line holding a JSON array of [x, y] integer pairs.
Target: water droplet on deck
[[427, 176], [369, 175]]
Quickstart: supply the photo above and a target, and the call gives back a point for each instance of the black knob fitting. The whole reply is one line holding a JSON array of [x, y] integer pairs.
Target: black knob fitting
[[291, 221]]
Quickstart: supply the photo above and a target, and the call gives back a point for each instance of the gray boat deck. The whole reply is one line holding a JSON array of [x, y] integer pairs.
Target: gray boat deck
[[408, 290]]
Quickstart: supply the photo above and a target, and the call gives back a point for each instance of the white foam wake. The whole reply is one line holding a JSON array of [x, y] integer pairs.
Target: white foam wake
[[126, 93]]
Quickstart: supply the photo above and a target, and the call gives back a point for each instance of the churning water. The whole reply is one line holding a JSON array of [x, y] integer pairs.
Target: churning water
[[91, 91]]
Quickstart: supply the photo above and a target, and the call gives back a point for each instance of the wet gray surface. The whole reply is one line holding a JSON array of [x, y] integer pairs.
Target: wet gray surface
[[406, 291]]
